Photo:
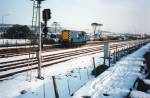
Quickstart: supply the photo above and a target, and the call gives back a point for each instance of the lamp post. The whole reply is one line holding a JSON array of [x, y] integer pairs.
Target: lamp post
[[2, 26], [55, 24], [3, 17]]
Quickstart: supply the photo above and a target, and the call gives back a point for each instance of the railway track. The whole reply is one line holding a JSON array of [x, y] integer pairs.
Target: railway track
[[9, 52], [13, 67], [21, 65]]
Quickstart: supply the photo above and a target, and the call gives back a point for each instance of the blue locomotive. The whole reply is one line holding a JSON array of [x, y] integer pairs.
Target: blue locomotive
[[71, 38]]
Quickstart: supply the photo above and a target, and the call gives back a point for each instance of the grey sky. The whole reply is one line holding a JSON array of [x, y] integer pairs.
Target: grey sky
[[116, 15]]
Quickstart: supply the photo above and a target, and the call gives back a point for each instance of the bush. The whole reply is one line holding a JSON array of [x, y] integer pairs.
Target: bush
[[100, 69]]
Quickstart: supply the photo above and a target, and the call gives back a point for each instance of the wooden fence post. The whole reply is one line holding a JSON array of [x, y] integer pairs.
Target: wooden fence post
[[55, 87]]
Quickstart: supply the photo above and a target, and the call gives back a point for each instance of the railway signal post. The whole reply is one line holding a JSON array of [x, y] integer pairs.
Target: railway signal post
[[46, 17], [39, 45]]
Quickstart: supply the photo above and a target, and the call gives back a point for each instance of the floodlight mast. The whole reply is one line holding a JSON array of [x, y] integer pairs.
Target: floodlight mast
[[40, 35], [95, 25]]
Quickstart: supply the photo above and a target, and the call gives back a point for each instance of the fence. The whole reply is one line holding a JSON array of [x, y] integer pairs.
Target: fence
[[14, 42]]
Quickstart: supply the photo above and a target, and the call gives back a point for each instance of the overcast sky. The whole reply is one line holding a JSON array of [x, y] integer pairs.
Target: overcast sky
[[115, 15]]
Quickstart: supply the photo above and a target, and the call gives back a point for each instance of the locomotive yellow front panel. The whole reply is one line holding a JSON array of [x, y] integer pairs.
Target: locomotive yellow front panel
[[65, 35]]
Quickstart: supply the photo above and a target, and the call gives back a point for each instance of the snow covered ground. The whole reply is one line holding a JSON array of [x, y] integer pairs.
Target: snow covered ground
[[139, 94], [117, 80], [75, 71], [73, 74]]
